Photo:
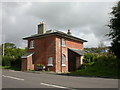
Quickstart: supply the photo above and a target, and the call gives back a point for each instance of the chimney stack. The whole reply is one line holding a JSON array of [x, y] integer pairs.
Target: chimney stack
[[69, 32], [41, 28]]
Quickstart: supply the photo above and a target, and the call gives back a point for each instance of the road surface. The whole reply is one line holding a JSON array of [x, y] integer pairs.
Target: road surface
[[18, 79]]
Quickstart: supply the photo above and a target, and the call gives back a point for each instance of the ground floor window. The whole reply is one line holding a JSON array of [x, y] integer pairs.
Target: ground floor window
[[63, 60], [50, 61]]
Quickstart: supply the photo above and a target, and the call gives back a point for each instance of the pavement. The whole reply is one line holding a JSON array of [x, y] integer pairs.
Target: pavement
[[19, 79]]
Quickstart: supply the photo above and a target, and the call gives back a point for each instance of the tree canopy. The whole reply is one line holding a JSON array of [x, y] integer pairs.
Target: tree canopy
[[12, 55], [114, 26], [11, 50]]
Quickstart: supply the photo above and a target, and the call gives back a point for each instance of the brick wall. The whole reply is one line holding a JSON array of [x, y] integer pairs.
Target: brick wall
[[43, 49], [64, 50], [27, 63], [24, 64], [74, 44], [50, 46], [30, 65]]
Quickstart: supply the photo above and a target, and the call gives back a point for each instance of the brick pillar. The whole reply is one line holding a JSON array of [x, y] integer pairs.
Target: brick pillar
[[30, 65]]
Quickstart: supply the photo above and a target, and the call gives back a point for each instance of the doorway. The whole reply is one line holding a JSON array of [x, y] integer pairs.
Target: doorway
[[71, 60]]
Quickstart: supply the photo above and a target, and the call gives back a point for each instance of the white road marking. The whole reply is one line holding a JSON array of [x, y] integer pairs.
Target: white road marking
[[52, 85], [13, 77]]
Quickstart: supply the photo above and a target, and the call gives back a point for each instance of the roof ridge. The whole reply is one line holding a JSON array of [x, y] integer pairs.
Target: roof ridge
[[56, 32]]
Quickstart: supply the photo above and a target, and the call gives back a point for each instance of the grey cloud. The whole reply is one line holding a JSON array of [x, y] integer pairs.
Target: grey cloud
[[85, 19]]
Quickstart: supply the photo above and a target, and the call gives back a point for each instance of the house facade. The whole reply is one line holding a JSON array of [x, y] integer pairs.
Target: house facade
[[58, 51]]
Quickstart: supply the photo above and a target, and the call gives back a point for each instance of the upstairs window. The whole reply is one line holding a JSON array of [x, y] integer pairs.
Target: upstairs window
[[50, 61], [31, 44], [63, 60], [63, 42]]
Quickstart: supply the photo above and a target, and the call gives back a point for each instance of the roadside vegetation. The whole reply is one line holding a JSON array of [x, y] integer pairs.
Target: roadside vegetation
[[97, 62], [11, 57], [104, 65]]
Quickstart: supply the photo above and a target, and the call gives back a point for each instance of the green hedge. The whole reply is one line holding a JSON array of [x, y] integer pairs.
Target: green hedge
[[6, 61], [10, 61], [103, 66]]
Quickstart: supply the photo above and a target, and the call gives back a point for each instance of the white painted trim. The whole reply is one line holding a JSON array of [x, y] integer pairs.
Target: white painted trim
[[31, 48], [30, 55], [27, 56], [50, 65], [63, 65]]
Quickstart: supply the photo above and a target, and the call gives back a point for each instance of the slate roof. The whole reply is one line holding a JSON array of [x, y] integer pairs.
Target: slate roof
[[55, 32], [27, 55], [80, 52]]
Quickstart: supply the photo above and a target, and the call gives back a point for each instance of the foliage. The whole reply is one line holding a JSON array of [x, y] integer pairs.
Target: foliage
[[114, 26], [104, 65], [6, 61], [89, 57], [14, 52], [96, 50], [9, 45], [12, 55], [10, 67], [40, 65]]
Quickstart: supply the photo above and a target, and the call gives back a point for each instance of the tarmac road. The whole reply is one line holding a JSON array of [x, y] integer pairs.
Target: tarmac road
[[18, 79]]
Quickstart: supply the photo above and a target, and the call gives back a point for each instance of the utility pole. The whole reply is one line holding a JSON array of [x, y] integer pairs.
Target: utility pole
[[3, 46], [3, 49]]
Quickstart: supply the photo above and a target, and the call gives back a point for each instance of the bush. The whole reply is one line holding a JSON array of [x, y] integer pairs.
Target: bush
[[11, 63], [89, 57], [16, 63], [40, 65], [6, 61], [104, 65]]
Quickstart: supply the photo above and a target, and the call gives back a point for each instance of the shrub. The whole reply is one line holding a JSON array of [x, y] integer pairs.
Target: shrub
[[6, 61], [103, 65], [16, 63], [89, 57], [40, 65]]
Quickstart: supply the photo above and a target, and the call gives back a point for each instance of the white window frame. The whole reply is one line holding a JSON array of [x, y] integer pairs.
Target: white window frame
[[63, 60], [63, 42], [50, 61], [31, 44]]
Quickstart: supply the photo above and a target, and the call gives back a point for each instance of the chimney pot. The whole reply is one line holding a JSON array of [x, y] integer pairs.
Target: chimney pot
[[69, 32]]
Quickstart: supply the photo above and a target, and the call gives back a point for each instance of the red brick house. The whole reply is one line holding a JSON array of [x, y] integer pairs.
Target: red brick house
[[58, 51]]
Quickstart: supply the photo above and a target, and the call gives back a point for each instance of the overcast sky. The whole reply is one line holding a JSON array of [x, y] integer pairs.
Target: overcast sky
[[86, 20]]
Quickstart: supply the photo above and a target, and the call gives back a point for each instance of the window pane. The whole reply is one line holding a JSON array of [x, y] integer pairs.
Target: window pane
[[63, 59], [50, 61], [32, 44], [63, 42]]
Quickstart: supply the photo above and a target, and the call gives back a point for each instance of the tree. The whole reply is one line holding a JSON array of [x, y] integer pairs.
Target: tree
[[9, 45], [12, 55], [11, 50], [114, 33]]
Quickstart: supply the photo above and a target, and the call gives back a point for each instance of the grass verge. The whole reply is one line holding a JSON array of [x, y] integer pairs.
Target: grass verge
[[101, 68], [10, 68]]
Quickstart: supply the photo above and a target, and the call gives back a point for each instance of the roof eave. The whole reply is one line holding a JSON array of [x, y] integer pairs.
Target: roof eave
[[71, 37], [58, 34]]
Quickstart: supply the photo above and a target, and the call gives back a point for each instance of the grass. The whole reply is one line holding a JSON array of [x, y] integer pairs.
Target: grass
[[95, 72], [10, 68], [101, 68]]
